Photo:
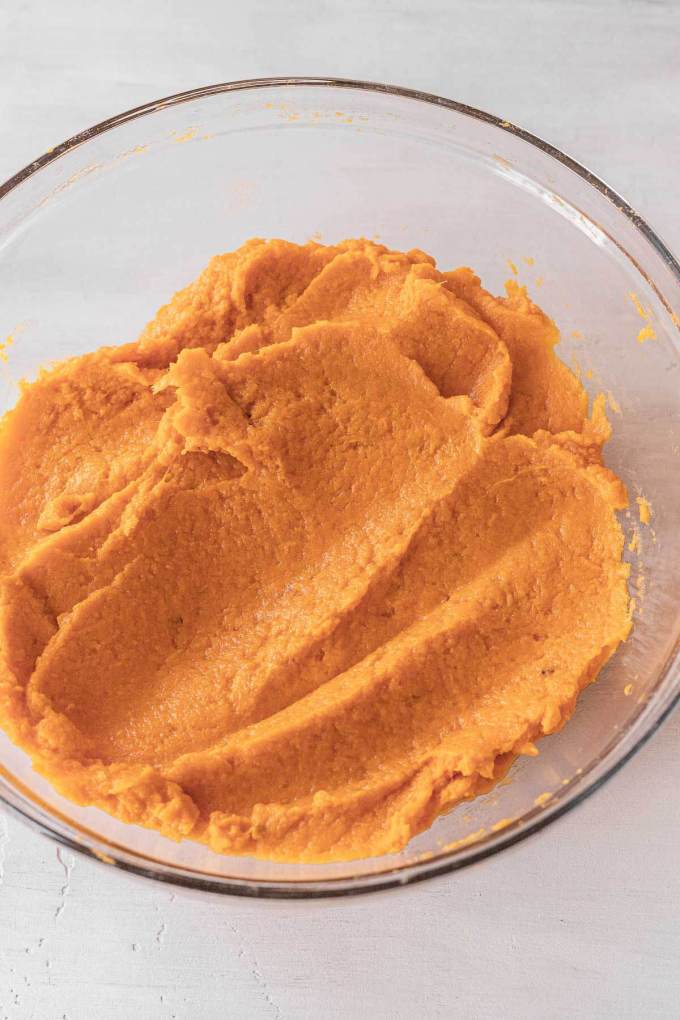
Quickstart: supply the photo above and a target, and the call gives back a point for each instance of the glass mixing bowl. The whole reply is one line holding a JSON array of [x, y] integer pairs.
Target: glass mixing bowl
[[100, 231]]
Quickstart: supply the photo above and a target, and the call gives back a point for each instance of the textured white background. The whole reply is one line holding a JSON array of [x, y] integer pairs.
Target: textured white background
[[580, 921]]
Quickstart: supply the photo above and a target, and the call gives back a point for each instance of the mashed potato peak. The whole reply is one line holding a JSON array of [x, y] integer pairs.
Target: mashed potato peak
[[310, 561]]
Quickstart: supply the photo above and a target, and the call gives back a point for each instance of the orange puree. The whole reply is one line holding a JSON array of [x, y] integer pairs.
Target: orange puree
[[310, 561]]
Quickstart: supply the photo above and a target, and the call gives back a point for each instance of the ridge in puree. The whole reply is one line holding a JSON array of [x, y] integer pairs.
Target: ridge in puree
[[310, 561]]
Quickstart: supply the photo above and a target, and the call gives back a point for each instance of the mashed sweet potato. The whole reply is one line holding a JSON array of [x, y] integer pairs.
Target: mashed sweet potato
[[312, 560]]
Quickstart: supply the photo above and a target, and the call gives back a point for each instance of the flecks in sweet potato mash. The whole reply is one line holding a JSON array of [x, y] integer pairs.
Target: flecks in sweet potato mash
[[311, 560]]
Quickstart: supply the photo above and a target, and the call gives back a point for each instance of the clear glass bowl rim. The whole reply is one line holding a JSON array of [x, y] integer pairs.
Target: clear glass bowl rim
[[660, 706]]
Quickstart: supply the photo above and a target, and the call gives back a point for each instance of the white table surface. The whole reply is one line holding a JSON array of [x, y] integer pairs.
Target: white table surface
[[582, 920]]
